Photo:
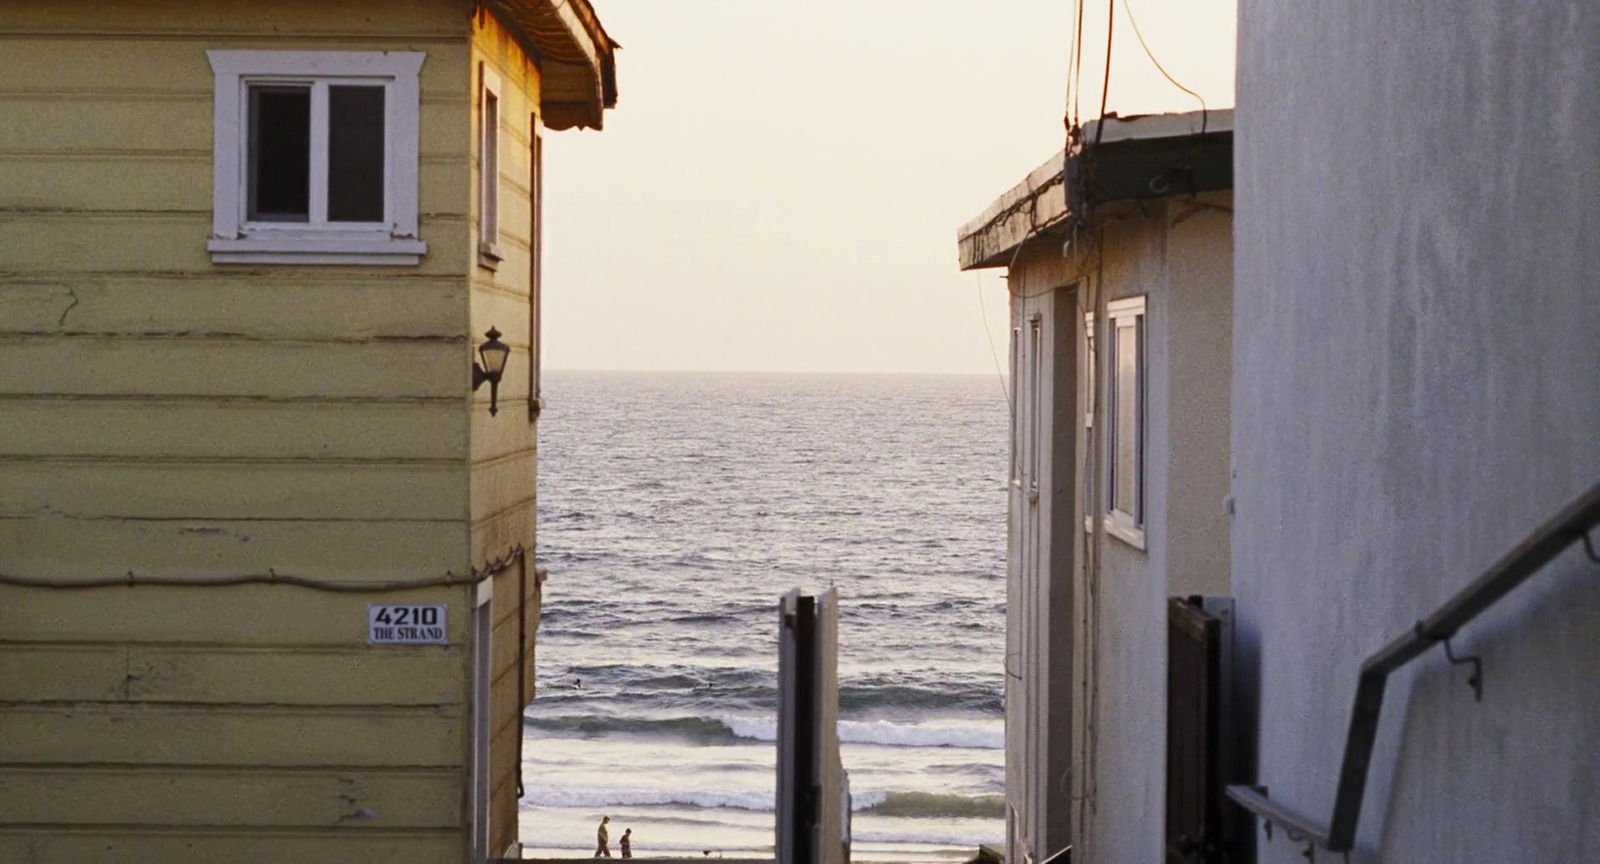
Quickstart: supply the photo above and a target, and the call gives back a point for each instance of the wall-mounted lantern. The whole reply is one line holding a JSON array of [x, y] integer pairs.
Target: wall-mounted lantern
[[494, 354]]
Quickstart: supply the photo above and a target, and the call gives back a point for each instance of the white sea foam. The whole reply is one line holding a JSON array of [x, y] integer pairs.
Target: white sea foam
[[617, 796], [964, 841], [989, 737], [875, 801], [756, 728], [653, 848], [866, 799]]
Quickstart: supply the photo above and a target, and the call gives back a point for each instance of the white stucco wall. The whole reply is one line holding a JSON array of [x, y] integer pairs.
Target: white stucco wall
[[1417, 385], [1127, 705], [1041, 555], [1178, 256], [1199, 271]]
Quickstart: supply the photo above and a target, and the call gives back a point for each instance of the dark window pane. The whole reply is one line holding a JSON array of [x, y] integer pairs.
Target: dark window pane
[[1139, 435], [355, 154], [1126, 446], [489, 219], [280, 154]]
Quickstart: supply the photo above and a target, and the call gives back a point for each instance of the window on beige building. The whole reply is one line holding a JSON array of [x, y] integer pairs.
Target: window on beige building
[[535, 295], [315, 157], [489, 170]]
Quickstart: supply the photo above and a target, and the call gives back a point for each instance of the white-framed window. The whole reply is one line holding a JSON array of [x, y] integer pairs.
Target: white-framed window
[[1035, 408], [315, 157], [489, 167], [1125, 419], [536, 268], [1016, 396], [1088, 378]]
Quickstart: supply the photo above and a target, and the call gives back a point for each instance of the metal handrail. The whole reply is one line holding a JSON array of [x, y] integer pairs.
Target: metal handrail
[[1060, 856], [1569, 526]]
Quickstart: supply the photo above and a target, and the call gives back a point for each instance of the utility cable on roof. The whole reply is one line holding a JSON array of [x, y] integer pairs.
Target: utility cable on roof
[[1074, 67], [1076, 74], [1105, 86], [1160, 68], [993, 351]]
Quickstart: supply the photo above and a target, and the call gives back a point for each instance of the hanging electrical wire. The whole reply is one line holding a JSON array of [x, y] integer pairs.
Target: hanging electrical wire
[[1105, 86], [993, 351], [1074, 63], [1162, 69], [1066, 95], [1075, 76]]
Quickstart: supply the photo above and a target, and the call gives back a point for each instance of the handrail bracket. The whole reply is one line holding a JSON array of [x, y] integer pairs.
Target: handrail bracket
[[1571, 524]]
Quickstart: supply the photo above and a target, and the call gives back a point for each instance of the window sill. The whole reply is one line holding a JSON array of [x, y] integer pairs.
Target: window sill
[[489, 256], [1122, 529], [358, 251]]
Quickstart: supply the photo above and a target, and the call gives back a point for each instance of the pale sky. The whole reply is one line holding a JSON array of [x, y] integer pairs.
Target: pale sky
[[781, 182]]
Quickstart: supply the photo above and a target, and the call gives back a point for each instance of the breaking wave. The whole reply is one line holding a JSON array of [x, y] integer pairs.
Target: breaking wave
[[944, 839], [549, 796], [885, 733], [903, 804], [932, 805], [704, 689], [727, 730], [703, 730]]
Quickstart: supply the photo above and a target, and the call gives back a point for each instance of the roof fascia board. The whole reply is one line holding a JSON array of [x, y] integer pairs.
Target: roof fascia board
[[1031, 206], [579, 81], [1148, 156]]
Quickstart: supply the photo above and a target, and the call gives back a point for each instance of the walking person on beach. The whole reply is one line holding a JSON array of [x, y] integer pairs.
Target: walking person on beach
[[627, 843], [604, 838]]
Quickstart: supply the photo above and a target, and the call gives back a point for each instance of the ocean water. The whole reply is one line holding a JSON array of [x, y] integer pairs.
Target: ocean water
[[674, 510]]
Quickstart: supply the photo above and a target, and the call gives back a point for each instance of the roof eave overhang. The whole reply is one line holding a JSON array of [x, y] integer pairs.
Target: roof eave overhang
[[1142, 168], [1026, 214], [1135, 158], [576, 58]]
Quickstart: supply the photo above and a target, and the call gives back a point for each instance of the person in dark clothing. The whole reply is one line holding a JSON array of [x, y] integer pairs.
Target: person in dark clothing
[[627, 843]]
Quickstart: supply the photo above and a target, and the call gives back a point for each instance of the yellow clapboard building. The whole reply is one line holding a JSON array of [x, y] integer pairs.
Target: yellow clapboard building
[[267, 590]]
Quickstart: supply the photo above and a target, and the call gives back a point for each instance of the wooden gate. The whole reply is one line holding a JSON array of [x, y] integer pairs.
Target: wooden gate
[[1194, 802], [813, 795]]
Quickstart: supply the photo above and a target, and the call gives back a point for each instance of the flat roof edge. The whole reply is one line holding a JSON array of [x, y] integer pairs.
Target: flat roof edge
[[1039, 200], [1147, 126], [1039, 205]]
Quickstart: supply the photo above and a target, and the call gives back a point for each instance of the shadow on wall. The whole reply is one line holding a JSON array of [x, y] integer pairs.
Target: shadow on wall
[[1246, 709], [1455, 762]]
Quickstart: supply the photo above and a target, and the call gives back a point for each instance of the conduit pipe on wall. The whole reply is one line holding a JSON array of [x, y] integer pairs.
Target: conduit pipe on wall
[[271, 577]]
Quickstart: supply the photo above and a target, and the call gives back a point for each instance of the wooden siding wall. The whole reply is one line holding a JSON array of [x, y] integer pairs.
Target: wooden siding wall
[[166, 416], [503, 446]]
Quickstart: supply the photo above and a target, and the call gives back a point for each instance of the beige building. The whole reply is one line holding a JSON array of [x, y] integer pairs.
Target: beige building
[[266, 585], [1118, 256]]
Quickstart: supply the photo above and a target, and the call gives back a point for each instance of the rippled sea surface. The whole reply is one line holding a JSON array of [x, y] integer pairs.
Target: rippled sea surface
[[674, 510]]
